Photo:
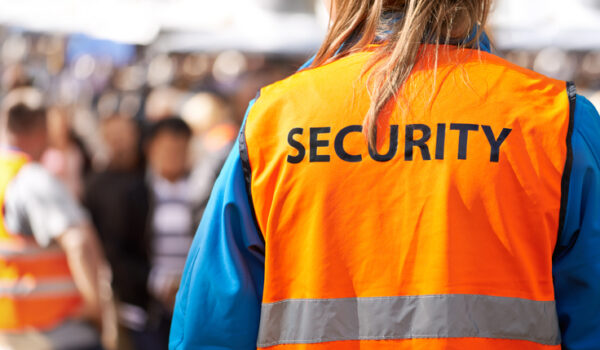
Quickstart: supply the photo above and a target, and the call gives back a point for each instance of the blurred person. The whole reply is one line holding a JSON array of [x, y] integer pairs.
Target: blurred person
[[172, 217], [54, 282], [213, 136], [118, 204], [407, 189], [152, 224], [66, 157]]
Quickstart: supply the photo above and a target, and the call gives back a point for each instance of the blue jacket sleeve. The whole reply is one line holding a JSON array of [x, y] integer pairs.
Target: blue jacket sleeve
[[218, 303], [577, 255]]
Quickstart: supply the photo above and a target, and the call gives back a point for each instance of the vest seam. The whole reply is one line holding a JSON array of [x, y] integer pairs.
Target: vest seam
[[247, 170], [566, 178]]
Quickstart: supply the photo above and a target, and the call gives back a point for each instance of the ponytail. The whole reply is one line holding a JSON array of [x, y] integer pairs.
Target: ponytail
[[439, 22]]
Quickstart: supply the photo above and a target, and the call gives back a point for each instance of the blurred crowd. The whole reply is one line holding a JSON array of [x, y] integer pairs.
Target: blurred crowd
[[138, 137]]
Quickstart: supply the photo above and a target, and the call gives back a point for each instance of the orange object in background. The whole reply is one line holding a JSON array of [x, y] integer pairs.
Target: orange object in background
[[462, 212], [36, 287]]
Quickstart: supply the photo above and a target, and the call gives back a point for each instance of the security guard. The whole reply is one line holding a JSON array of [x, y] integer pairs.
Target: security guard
[[467, 218], [54, 281]]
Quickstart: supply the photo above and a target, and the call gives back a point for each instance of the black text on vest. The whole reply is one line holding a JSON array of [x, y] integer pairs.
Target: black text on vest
[[418, 140]]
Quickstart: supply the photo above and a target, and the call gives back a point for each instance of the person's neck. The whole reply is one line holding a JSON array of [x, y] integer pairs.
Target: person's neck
[[13, 144]]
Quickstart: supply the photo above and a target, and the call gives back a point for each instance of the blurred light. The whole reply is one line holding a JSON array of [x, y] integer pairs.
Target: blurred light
[[555, 63], [14, 49], [130, 78], [590, 65], [84, 67], [130, 104], [163, 102], [595, 99], [161, 70], [196, 65], [520, 58], [107, 104], [202, 111], [229, 65]]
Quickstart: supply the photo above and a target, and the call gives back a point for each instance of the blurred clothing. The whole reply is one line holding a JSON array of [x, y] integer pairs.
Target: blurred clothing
[[39, 296], [39, 205], [172, 231], [118, 204], [145, 224], [72, 335], [67, 166]]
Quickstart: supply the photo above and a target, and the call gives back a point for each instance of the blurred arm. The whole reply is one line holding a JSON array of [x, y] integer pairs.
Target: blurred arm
[[218, 304], [91, 274], [577, 255], [54, 216]]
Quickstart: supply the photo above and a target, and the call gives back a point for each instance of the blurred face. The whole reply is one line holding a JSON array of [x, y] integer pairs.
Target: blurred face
[[37, 141], [121, 137], [168, 155]]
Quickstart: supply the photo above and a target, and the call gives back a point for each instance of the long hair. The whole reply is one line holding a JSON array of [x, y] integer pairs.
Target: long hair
[[358, 24]]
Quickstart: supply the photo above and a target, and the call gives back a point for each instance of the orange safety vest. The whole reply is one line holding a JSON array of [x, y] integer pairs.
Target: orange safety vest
[[36, 287], [442, 238]]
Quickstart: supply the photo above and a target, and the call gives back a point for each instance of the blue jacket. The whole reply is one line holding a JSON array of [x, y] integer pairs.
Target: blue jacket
[[218, 304]]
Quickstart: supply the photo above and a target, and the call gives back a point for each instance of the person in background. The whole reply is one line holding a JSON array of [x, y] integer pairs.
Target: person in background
[[54, 281], [172, 218], [66, 157], [151, 227], [117, 200]]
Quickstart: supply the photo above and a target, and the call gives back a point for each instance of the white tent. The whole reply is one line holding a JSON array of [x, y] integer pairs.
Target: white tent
[[258, 25], [535, 24], [246, 26], [251, 25]]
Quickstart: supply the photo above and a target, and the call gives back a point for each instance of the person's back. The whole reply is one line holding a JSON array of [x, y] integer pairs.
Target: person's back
[[460, 229], [464, 204]]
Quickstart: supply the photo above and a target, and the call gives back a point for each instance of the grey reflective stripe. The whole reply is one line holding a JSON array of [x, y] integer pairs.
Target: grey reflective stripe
[[301, 321], [40, 287], [28, 250]]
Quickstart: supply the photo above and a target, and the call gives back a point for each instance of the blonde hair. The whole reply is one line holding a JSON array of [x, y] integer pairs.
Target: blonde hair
[[359, 23]]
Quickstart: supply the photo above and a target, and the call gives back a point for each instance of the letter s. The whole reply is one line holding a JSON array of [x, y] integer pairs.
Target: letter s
[[297, 145]]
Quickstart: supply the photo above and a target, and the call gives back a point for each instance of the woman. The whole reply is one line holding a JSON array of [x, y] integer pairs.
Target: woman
[[407, 190]]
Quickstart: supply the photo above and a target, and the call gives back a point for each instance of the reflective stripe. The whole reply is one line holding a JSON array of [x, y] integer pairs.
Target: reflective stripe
[[302, 321], [26, 287], [8, 250]]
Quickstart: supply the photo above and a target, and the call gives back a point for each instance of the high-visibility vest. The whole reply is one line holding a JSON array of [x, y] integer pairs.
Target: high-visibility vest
[[441, 238], [36, 287]]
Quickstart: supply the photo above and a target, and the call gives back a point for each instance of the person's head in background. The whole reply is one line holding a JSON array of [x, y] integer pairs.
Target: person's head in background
[[121, 137], [400, 28], [23, 120], [209, 117], [167, 148]]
